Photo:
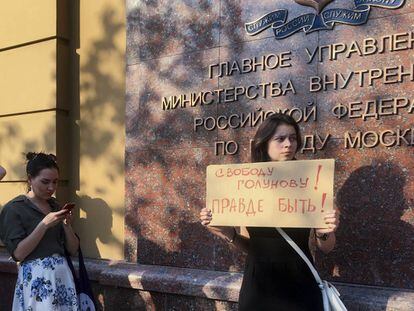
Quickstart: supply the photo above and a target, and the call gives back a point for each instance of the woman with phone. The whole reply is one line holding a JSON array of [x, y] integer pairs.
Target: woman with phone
[[36, 232], [275, 276]]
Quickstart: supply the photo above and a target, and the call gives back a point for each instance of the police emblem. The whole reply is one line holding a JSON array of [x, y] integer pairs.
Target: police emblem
[[324, 19]]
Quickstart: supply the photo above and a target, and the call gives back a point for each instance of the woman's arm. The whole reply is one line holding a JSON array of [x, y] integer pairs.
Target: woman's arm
[[72, 241], [229, 234], [325, 237], [325, 243], [28, 244], [242, 240]]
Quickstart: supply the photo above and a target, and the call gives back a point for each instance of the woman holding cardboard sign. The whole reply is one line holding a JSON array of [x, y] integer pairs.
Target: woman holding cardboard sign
[[36, 232], [275, 276]]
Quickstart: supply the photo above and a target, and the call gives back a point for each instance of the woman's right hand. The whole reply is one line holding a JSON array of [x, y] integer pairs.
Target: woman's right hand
[[205, 216], [225, 232], [53, 218]]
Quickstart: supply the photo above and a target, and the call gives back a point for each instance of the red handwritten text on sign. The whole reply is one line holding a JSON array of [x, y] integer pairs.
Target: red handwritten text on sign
[[290, 194]]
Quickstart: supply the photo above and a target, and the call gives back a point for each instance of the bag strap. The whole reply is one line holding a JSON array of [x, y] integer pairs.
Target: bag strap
[[301, 254], [83, 273], [72, 269], [82, 281]]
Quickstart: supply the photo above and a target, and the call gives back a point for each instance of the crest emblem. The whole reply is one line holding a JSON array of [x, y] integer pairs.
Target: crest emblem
[[324, 19], [318, 5]]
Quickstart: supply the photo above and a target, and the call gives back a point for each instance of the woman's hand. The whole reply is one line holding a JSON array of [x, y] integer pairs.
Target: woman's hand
[[332, 220], [72, 241], [227, 233], [205, 216], [53, 218], [27, 245], [68, 219], [325, 237]]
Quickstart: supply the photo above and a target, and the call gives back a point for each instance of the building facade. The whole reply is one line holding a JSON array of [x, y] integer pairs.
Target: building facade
[[137, 98]]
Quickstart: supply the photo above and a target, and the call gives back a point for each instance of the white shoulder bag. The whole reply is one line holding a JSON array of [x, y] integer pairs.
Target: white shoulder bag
[[330, 295]]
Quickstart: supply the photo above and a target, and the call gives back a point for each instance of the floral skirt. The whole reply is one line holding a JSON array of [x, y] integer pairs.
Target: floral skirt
[[45, 284]]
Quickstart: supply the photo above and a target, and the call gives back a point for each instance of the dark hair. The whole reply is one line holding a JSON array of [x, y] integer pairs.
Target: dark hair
[[266, 131], [39, 161]]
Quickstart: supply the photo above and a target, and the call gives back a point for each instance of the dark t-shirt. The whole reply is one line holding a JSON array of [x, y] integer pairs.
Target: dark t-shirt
[[19, 218]]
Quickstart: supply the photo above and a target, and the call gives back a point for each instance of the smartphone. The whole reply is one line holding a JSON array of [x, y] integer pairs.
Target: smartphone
[[68, 206]]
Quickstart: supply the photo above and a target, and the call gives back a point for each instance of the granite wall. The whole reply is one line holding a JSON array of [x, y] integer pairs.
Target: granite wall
[[170, 48]]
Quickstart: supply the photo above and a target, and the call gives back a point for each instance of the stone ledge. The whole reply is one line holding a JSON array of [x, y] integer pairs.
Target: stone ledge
[[218, 285], [363, 297], [172, 280], [181, 281]]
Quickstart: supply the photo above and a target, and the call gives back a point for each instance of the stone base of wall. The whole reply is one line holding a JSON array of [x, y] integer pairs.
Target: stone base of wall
[[122, 286]]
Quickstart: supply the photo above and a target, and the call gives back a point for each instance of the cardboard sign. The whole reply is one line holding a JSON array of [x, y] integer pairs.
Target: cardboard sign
[[271, 194]]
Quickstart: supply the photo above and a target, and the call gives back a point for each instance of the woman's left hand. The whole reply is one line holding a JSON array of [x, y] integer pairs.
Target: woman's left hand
[[68, 219], [332, 220]]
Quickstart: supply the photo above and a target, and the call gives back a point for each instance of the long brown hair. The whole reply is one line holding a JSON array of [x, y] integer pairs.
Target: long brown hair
[[266, 131]]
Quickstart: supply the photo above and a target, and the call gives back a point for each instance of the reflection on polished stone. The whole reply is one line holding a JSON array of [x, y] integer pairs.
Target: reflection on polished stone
[[171, 45], [164, 27], [294, 70], [374, 194], [165, 191], [148, 125], [366, 100]]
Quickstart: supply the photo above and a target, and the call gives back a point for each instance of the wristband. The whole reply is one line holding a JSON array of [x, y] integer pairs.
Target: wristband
[[322, 237]]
